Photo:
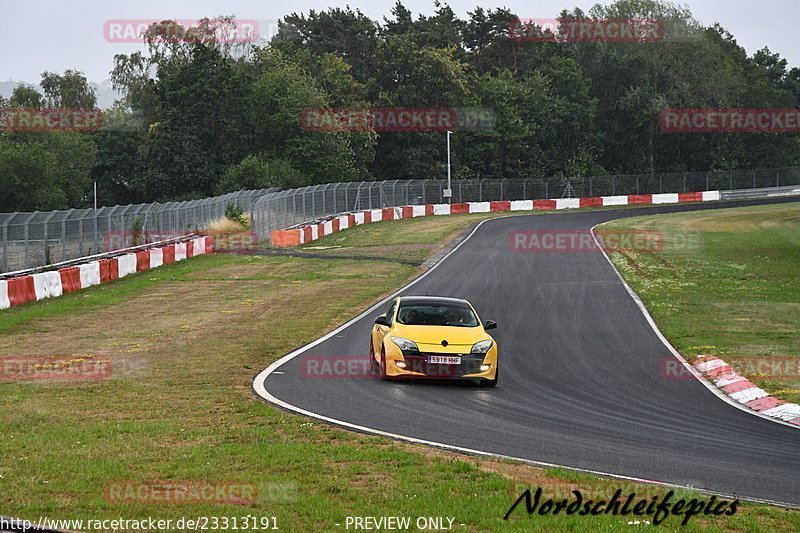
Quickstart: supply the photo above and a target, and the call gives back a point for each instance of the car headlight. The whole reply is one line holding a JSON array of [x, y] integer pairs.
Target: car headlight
[[482, 347], [405, 344]]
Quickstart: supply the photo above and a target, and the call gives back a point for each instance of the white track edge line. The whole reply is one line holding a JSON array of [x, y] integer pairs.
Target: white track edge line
[[260, 390], [696, 373]]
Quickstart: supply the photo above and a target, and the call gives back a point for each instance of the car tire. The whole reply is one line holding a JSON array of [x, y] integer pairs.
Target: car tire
[[373, 364], [383, 364]]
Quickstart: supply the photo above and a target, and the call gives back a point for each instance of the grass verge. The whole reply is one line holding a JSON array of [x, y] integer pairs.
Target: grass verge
[[185, 341], [726, 286]]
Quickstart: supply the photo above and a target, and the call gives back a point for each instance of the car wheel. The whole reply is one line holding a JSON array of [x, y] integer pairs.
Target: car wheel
[[383, 364], [373, 364]]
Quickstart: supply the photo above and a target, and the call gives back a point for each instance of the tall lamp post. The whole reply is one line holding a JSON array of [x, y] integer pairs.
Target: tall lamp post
[[449, 191]]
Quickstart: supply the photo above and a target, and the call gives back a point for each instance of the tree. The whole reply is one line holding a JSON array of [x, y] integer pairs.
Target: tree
[[280, 95], [119, 163], [413, 77], [349, 34], [253, 172], [26, 96], [70, 90], [772, 65], [45, 172]]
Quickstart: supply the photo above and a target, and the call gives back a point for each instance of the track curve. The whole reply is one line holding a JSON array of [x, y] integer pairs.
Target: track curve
[[580, 383]]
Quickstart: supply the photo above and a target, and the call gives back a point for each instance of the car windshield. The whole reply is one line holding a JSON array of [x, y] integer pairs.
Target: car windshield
[[437, 314]]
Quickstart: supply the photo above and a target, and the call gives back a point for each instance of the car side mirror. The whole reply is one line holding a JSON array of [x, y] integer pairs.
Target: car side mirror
[[490, 324], [382, 320]]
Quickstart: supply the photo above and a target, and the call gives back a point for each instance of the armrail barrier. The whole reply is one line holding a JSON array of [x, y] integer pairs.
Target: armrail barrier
[[19, 288], [308, 232]]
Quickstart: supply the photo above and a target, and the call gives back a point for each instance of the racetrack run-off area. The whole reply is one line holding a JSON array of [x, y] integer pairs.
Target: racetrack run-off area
[[581, 383]]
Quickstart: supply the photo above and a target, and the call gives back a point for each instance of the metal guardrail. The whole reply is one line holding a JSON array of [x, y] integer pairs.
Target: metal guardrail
[[767, 192], [29, 240], [106, 255], [286, 209]]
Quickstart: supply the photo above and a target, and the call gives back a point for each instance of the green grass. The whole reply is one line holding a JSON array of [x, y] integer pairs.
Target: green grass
[[726, 285], [185, 342], [106, 294], [418, 238]]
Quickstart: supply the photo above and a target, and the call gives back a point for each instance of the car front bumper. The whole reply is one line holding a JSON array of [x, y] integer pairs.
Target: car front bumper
[[417, 365]]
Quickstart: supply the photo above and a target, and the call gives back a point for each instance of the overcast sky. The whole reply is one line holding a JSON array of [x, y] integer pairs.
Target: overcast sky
[[55, 35]]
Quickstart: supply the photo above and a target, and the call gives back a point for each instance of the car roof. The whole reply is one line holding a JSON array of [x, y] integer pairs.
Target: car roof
[[432, 300]]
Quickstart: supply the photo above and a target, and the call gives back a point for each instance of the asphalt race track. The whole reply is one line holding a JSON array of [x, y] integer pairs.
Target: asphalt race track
[[580, 380]]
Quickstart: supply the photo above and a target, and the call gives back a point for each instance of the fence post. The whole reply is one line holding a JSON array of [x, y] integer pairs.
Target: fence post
[[110, 222], [95, 229], [44, 237], [707, 173], [267, 234], [26, 253], [64, 236], [253, 220], [5, 246], [80, 232], [371, 186]]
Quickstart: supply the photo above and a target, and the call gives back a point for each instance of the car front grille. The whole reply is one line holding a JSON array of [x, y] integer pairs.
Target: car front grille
[[418, 362]]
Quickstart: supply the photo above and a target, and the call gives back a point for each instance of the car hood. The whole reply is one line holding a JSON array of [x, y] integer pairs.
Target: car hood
[[427, 337]]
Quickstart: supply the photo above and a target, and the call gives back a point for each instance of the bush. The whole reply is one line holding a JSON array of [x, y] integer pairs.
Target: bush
[[139, 236], [234, 213], [253, 172]]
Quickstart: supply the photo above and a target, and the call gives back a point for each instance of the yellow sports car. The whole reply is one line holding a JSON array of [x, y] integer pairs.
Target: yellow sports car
[[433, 337]]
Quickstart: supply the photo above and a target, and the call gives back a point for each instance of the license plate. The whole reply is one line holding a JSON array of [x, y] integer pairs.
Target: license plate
[[444, 360]]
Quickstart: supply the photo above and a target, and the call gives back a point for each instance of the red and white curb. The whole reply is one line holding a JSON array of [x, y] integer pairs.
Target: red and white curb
[[34, 287], [741, 390], [309, 232]]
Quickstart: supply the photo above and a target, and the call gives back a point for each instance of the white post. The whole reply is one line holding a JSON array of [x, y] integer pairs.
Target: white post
[[449, 188], [95, 196]]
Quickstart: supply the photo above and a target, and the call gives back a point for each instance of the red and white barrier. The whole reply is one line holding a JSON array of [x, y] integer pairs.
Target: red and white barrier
[[23, 289], [310, 232], [126, 264], [90, 274], [742, 391], [156, 258], [47, 285], [615, 200]]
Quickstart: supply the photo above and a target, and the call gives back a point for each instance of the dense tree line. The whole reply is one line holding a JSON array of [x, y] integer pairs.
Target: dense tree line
[[203, 115]]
